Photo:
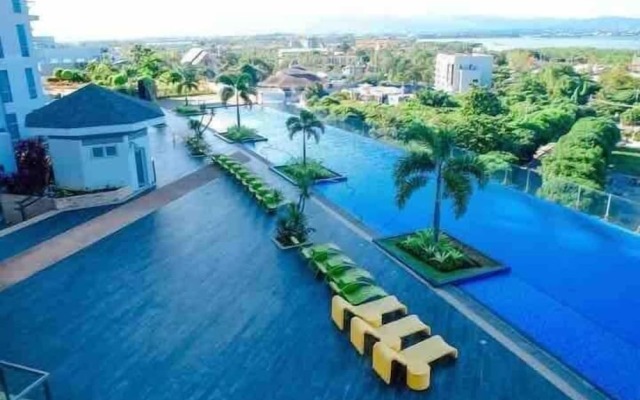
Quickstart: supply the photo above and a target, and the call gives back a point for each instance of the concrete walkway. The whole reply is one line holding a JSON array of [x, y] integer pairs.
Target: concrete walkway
[[37, 258]]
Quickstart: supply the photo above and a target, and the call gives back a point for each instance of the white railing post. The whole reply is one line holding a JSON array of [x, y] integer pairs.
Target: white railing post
[[506, 174], [578, 199], [606, 214], [526, 188]]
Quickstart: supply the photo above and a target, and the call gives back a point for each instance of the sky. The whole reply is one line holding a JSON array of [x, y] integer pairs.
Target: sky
[[123, 19]]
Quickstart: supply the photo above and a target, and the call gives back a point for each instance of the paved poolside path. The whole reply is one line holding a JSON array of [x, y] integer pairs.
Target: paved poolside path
[[37, 258]]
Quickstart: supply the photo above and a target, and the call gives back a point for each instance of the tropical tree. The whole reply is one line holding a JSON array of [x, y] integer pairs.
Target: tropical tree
[[187, 83], [310, 127], [480, 100], [314, 92], [238, 85], [256, 73], [432, 157]]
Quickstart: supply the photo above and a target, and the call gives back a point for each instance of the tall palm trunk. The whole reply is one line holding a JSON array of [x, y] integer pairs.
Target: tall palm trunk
[[302, 200], [304, 148], [436, 211], [238, 108]]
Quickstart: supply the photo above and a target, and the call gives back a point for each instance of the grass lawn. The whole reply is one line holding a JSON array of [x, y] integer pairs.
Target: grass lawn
[[626, 161], [433, 275]]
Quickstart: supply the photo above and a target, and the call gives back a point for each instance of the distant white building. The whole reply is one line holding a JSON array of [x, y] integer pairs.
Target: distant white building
[[52, 55], [379, 94], [199, 57], [20, 86], [457, 73]]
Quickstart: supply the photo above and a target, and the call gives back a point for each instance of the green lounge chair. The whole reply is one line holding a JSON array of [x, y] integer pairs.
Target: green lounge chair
[[359, 292], [320, 252], [334, 265], [351, 276]]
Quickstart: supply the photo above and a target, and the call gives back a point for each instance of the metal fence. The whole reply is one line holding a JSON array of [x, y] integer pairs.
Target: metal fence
[[607, 206], [18, 382]]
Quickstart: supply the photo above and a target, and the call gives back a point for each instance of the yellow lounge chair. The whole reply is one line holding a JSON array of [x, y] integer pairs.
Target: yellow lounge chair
[[416, 359], [372, 312], [390, 334]]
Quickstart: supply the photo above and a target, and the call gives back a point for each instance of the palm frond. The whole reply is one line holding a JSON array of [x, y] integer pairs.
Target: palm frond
[[470, 166], [246, 98], [227, 79], [227, 93], [413, 163], [417, 131], [294, 126], [244, 81], [459, 188], [405, 188], [459, 175]]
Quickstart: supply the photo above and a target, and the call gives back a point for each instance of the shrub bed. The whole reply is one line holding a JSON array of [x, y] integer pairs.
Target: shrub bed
[[447, 261], [241, 134], [188, 111], [197, 146], [319, 172]]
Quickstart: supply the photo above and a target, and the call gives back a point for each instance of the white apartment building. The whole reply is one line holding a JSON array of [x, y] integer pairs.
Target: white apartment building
[[457, 73], [20, 86]]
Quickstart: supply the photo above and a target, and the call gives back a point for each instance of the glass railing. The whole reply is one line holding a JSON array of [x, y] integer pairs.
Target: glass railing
[[18, 382], [607, 206]]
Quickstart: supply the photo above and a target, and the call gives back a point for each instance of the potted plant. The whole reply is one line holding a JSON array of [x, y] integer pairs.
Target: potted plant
[[292, 229]]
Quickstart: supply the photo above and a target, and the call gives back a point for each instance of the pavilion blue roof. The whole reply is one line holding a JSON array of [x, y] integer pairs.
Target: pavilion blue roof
[[92, 106]]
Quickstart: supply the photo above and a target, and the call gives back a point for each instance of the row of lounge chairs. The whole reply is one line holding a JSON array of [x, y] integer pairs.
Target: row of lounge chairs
[[267, 197], [378, 323]]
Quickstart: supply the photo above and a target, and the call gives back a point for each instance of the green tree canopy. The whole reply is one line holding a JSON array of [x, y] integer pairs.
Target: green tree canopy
[[480, 101]]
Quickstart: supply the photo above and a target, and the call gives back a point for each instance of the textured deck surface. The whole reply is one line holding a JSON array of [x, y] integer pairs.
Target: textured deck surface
[[195, 302], [49, 252]]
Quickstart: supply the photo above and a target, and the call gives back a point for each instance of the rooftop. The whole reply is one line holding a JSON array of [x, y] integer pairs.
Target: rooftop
[[93, 106]]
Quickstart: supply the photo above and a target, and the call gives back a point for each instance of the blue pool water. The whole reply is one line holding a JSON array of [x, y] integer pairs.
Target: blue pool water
[[574, 281]]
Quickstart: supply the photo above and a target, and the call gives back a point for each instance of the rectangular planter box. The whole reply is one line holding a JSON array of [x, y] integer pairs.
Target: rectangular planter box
[[335, 179], [255, 139], [93, 199], [285, 248], [433, 275]]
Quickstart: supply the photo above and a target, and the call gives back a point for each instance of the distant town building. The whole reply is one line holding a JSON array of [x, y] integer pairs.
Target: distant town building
[[199, 57], [98, 139], [52, 55], [379, 94], [286, 86], [20, 86], [377, 44], [457, 73]]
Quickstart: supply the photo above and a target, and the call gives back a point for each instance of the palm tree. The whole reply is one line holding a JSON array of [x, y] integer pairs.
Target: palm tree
[[314, 92], [310, 127], [304, 178], [239, 85], [433, 152], [187, 82]]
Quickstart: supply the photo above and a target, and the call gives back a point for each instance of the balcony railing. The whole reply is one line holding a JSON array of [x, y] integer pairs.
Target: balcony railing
[[18, 382]]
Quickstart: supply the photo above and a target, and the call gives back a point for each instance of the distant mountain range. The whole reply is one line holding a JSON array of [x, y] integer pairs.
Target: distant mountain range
[[484, 26]]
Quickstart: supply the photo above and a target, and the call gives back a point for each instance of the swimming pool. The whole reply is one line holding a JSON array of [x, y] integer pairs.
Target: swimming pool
[[574, 281]]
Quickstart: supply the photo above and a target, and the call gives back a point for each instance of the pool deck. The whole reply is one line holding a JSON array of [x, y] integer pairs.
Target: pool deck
[[188, 298], [49, 252], [142, 293]]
